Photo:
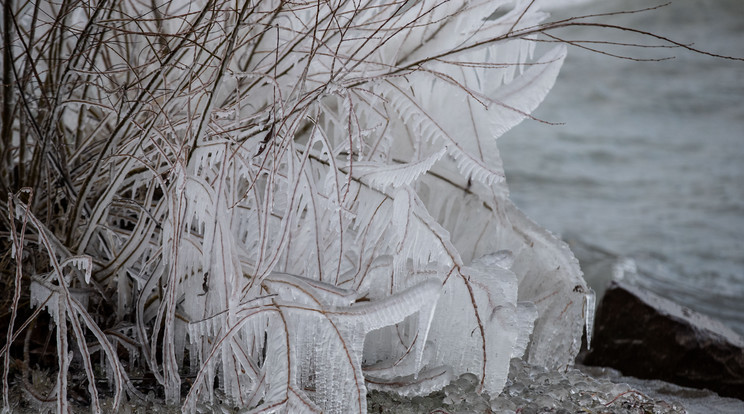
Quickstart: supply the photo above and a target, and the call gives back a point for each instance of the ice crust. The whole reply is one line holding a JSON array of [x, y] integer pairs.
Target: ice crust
[[532, 389]]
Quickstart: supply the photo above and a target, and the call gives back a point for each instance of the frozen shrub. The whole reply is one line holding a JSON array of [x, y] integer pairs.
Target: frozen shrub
[[293, 202]]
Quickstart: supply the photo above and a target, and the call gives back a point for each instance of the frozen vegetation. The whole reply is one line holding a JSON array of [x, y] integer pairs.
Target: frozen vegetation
[[275, 206]]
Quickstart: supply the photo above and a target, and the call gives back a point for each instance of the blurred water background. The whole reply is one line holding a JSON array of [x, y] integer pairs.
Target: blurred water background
[[648, 170]]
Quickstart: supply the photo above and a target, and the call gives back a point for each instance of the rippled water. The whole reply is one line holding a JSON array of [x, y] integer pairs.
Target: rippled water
[[650, 162]]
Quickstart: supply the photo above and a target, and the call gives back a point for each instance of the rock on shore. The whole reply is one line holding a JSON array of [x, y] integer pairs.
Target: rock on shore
[[646, 336]]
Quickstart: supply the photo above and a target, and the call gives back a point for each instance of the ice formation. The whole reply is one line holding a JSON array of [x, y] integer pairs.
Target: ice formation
[[534, 389], [316, 206]]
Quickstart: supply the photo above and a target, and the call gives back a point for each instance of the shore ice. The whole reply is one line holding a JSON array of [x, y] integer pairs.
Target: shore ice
[[531, 390]]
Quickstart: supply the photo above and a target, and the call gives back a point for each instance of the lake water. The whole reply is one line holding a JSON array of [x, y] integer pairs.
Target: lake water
[[650, 162]]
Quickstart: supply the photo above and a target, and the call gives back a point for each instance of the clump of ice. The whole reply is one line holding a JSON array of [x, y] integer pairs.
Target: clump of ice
[[531, 390]]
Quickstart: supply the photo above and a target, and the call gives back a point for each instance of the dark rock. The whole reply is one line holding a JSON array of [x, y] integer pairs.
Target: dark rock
[[646, 336]]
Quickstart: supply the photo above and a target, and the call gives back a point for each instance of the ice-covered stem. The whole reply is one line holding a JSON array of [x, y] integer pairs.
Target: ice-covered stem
[[17, 241], [6, 129], [63, 307]]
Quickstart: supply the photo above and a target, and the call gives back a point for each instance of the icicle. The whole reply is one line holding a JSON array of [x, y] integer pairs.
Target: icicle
[[526, 316], [589, 303]]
